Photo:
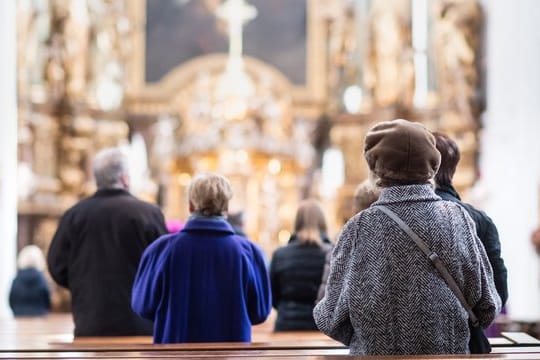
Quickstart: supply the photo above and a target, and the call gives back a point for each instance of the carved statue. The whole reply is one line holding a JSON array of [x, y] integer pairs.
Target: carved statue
[[457, 38], [109, 48], [77, 27], [389, 75], [33, 30]]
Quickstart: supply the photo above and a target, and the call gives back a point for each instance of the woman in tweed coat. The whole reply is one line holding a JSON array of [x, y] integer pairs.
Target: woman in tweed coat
[[383, 295]]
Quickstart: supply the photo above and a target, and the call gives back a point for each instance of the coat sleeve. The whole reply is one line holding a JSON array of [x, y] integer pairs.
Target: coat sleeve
[[12, 297], [58, 254], [274, 282], [148, 283], [324, 280], [489, 236], [331, 314], [155, 227], [259, 295], [45, 292], [479, 288]]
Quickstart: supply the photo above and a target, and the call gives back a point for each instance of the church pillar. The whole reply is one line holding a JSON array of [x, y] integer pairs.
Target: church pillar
[[510, 153], [8, 152]]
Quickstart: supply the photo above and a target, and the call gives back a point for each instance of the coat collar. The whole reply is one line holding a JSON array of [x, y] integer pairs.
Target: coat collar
[[206, 223], [447, 190], [111, 192], [325, 239], [405, 193]]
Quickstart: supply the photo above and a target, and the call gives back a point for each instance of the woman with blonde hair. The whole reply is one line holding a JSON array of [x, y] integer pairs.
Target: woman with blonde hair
[[296, 269], [204, 283]]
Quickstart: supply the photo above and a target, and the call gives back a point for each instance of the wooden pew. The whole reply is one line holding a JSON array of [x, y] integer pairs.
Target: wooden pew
[[51, 338], [244, 354]]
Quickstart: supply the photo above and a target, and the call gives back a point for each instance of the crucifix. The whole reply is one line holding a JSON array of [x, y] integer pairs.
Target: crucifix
[[235, 85], [236, 13]]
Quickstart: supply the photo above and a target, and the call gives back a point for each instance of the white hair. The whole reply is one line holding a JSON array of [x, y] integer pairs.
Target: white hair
[[209, 194], [109, 166], [31, 257]]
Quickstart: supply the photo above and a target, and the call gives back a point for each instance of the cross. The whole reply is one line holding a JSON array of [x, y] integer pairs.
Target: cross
[[236, 13]]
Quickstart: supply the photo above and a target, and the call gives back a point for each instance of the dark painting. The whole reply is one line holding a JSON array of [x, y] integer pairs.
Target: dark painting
[[180, 30]]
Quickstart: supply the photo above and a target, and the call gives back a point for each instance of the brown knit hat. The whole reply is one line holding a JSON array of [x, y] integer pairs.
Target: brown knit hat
[[401, 151]]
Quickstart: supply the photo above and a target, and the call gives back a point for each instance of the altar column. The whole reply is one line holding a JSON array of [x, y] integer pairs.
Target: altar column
[[510, 152], [8, 152]]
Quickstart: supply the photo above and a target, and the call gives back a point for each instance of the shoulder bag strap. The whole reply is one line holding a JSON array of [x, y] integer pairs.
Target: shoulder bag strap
[[435, 260]]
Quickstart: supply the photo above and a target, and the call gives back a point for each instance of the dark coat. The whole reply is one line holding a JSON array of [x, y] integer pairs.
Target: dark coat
[[487, 232], [95, 253], [295, 273], [202, 284], [29, 294]]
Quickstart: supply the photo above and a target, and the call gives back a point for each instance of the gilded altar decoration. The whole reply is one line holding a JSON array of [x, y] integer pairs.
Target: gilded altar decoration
[[70, 89], [417, 59], [457, 39], [229, 86], [390, 55]]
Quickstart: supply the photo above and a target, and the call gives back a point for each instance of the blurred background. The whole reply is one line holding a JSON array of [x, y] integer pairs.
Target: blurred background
[[276, 95]]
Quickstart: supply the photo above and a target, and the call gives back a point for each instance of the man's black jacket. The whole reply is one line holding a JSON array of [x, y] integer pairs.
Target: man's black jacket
[[95, 254]]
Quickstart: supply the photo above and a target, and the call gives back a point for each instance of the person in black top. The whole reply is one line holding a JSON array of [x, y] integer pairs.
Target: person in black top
[[29, 294], [97, 247], [296, 269], [485, 228], [236, 219]]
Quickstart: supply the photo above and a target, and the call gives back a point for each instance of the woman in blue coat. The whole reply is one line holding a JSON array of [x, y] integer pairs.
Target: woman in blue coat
[[204, 283]]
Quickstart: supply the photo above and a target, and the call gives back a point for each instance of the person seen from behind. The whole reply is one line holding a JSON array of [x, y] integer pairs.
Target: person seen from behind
[[236, 219], [485, 228], [30, 294], [97, 247], [204, 283], [296, 269], [384, 296]]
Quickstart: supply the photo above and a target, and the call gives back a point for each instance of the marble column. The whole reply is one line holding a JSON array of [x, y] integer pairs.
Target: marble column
[[510, 151], [8, 153]]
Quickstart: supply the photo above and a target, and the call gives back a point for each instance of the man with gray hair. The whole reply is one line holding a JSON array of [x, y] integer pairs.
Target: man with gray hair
[[97, 248]]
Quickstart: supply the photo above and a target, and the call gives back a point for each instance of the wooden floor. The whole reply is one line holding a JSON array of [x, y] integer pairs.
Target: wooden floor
[[55, 331], [51, 338]]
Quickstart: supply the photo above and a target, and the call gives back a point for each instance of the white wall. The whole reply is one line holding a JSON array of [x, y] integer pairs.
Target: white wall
[[510, 159], [8, 153]]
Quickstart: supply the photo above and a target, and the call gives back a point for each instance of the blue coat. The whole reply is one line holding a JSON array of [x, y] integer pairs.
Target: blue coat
[[202, 284], [29, 294]]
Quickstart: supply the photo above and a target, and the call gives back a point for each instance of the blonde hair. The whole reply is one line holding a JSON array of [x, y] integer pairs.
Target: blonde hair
[[31, 257], [310, 222], [209, 194], [365, 194]]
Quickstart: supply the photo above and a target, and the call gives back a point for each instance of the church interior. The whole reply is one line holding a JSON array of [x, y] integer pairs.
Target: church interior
[[275, 95]]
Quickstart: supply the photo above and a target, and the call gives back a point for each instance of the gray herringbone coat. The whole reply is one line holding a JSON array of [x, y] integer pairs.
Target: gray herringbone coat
[[383, 295]]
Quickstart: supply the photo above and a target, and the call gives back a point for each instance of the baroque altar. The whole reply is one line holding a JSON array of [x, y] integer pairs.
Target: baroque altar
[[306, 77]]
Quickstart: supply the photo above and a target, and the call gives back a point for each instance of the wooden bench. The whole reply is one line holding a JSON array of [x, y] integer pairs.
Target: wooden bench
[[51, 338], [178, 352]]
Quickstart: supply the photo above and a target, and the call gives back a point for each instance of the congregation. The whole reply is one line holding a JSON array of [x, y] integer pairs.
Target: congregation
[[373, 289]]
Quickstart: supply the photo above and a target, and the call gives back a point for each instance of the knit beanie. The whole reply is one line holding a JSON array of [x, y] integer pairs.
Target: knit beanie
[[402, 151]]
